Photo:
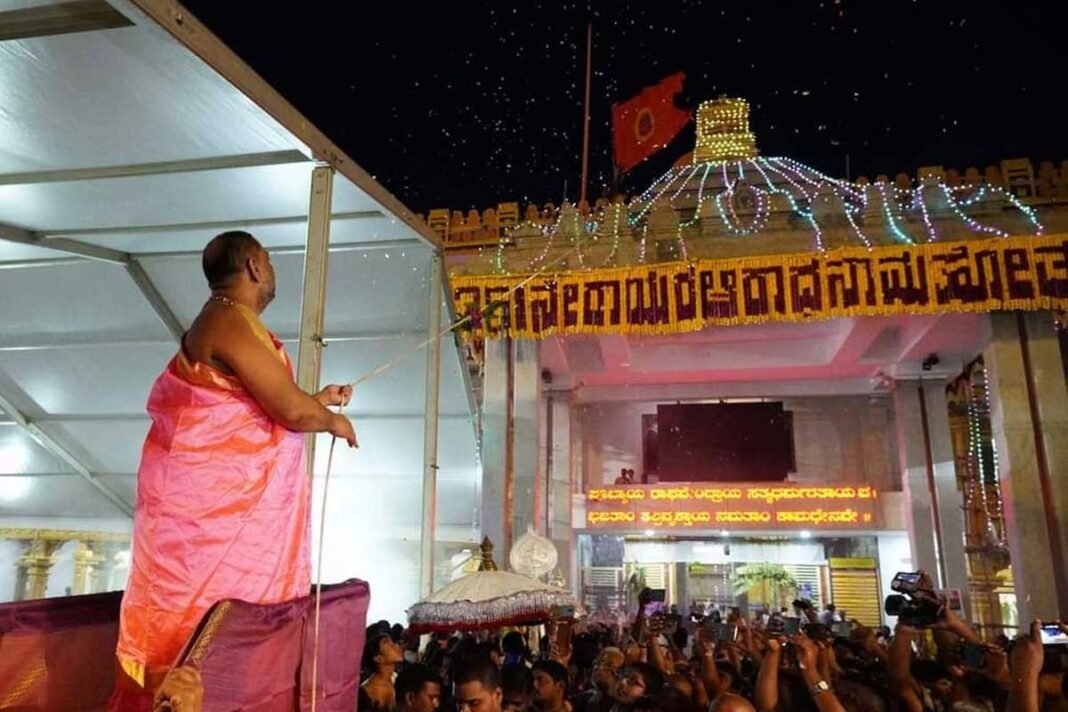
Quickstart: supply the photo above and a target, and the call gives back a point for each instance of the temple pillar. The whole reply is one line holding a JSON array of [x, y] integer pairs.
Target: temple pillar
[[1029, 424], [85, 563], [510, 462], [34, 566], [100, 577], [929, 480]]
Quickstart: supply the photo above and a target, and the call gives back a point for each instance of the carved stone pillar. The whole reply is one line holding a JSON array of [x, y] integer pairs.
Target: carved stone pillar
[[85, 562], [1029, 422], [20, 583], [34, 566], [100, 577]]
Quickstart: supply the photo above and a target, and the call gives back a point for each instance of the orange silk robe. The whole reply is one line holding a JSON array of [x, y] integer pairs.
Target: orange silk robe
[[223, 511]]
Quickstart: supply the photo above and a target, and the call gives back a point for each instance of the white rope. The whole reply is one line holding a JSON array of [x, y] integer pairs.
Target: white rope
[[319, 575]]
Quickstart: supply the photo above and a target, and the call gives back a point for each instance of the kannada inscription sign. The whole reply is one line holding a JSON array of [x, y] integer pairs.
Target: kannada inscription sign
[[978, 276], [737, 506]]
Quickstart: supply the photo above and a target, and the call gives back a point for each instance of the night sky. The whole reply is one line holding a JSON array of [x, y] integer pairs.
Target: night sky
[[465, 104]]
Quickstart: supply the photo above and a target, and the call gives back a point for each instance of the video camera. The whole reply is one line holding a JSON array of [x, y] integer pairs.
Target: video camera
[[913, 605]]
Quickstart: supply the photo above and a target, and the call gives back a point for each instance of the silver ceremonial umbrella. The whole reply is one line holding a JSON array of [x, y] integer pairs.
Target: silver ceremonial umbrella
[[488, 599]]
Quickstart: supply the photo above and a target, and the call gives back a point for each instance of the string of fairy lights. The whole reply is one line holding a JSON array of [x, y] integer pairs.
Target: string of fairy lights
[[983, 471], [745, 195], [875, 213]]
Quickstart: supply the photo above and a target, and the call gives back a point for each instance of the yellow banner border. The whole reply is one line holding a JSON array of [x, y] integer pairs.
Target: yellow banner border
[[1035, 267]]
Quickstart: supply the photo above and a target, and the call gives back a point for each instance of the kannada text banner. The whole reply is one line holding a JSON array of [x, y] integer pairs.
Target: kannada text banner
[[1027, 273], [736, 506]]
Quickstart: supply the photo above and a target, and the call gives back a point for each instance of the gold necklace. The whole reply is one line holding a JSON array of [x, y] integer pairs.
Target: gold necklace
[[222, 299]]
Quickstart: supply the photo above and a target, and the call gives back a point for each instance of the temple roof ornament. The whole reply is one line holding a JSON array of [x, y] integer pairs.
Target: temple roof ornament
[[723, 131]]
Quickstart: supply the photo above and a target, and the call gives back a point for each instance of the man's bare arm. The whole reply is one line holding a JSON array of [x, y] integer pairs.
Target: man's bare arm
[[269, 382]]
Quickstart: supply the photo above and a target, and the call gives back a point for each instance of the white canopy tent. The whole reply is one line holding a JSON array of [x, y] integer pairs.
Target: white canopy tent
[[129, 136]]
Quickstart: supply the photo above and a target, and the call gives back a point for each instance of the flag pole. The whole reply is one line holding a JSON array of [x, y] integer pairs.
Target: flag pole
[[586, 114]]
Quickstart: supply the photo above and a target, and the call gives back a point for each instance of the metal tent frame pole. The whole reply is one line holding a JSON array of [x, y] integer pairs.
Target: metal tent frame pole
[[430, 428], [313, 296]]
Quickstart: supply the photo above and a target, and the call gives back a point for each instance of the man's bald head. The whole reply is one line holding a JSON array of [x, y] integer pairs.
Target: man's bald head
[[227, 255], [731, 703], [236, 262]]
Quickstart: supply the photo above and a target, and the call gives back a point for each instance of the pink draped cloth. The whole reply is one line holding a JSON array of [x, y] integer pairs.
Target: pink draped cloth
[[222, 512]]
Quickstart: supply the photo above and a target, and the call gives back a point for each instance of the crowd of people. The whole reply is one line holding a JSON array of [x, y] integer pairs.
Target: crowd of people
[[231, 373], [670, 663]]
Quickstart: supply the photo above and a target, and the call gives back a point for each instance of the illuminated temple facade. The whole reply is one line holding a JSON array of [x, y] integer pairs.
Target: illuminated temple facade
[[905, 331], [927, 423]]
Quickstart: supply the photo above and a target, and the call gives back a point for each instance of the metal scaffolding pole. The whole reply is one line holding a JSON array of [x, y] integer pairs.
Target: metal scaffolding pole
[[430, 431], [313, 297]]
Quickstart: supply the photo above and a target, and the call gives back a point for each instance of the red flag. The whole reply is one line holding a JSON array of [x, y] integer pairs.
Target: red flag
[[646, 123]]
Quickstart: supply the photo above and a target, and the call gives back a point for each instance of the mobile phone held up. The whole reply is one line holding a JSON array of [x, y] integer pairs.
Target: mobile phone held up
[[972, 655], [653, 609], [842, 629], [719, 632], [726, 633], [652, 600], [1054, 648], [783, 627], [1052, 634]]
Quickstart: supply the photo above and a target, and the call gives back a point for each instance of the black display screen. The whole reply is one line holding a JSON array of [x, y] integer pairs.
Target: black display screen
[[724, 442]]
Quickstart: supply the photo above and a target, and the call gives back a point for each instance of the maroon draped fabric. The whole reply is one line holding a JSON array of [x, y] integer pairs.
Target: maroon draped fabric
[[59, 653], [255, 657]]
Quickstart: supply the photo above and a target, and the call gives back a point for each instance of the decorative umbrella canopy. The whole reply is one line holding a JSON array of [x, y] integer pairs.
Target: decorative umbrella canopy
[[487, 599]]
